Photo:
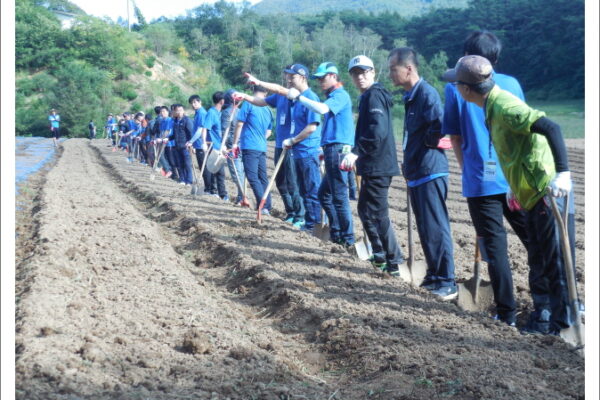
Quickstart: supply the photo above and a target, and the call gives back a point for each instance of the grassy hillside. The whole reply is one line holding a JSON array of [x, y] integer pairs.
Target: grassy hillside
[[406, 8]]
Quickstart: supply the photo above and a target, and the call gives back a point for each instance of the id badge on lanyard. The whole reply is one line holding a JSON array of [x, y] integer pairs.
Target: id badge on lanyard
[[489, 171]]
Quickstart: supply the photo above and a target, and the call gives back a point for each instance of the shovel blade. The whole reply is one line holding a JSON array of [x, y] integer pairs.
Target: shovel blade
[[363, 250], [413, 274], [473, 297], [322, 232], [571, 336], [194, 190]]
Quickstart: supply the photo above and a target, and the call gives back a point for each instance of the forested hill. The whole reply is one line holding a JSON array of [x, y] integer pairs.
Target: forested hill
[[406, 8], [97, 66]]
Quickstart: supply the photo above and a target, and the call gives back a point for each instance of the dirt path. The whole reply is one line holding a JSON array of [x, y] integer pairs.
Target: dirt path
[[138, 290]]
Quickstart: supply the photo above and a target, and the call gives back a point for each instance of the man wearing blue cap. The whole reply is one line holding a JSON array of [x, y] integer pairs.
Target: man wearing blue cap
[[336, 140], [305, 139], [286, 179]]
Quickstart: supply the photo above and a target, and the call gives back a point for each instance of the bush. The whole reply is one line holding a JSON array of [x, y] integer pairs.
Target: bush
[[148, 73], [149, 61], [126, 90]]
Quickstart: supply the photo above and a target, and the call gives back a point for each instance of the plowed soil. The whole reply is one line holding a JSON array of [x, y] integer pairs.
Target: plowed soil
[[132, 288]]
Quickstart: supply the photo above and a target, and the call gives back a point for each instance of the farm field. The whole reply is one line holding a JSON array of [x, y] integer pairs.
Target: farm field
[[131, 288]]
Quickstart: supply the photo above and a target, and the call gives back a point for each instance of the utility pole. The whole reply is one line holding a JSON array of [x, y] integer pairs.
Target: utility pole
[[128, 23]]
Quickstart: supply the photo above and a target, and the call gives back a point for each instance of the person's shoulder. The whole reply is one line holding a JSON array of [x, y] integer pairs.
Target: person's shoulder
[[508, 83], [309, 94]]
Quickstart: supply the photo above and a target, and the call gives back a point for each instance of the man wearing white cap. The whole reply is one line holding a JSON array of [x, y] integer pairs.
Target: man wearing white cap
[[533, 157], [374, 154]]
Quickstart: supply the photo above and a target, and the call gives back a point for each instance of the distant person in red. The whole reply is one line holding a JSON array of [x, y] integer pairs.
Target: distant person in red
[[54, 119]]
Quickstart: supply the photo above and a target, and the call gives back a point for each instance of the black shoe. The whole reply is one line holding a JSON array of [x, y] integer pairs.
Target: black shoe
[[510, 321], [538, 324]]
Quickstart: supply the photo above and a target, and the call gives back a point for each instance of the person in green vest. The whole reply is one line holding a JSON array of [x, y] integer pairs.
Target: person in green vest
[[533, 157]]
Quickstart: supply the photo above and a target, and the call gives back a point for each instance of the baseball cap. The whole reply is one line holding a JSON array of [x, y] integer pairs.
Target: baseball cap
[[470, 69], [297, 69], [324, 69], [362, 62]]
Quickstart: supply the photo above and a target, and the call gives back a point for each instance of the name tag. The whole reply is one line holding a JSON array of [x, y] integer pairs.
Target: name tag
[[292, 128], [489, 171], [282, 119]]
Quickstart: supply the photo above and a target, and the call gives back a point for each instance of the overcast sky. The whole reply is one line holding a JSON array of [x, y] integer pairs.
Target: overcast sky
[[151, 9]]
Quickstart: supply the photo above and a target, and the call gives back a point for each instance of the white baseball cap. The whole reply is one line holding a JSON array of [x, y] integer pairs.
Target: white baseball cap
[[363, 62]]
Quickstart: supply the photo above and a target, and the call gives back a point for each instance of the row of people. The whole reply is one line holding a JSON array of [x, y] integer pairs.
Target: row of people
[[509, 155]]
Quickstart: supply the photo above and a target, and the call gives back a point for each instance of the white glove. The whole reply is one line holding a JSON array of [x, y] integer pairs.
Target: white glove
[[237, 96], [511, 200], [252, 79], [188, 144], [348, 162], [204, 146], [561, 185], [288, 143], [293, 93]]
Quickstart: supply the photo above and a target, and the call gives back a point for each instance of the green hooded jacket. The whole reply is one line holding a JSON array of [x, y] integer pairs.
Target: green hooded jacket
[[525, 157]]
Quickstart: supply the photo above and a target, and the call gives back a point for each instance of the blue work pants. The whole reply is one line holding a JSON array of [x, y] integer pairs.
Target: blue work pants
[[255, 167], [309, 180], [287, 185]]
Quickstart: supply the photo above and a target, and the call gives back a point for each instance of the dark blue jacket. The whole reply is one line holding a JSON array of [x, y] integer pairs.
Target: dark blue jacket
[[182, 131], [422, 133], [374, 140]]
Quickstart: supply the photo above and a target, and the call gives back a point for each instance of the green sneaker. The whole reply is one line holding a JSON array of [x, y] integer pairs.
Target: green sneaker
[[392, 270], [378, 265]]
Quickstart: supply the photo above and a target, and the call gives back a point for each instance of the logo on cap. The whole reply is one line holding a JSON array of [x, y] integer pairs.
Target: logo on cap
[[363, 62]]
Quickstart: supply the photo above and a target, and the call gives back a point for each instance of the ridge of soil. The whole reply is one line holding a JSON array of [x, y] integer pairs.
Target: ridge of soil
[[137, 289]]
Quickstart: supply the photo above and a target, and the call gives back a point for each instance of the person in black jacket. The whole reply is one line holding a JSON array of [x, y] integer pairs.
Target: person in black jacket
[[425, 168], [182, 133], [374, 154]]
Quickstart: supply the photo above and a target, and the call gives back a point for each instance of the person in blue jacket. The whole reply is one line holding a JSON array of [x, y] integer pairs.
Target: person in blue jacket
[[166, 127], [254, 125], [54, 119], [425, 168], [196, 141], [337, 139], [182, 133], [214, 183]]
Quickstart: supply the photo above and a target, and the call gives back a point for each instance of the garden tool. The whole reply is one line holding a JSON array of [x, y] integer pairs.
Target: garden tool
[[269, 186], [413, 271]]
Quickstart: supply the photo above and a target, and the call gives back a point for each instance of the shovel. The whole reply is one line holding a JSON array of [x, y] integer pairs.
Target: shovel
[[322, 230], [575, 333], [475, 294], [269, 186], [244, 202], [362, 247], [157, 156], [195, 183], [413, 271]]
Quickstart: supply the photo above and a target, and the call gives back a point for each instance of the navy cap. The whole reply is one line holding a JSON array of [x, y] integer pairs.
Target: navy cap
[[297, 69]]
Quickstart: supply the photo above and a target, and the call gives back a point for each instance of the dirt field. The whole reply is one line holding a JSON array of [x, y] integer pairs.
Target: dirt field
[[129, 288]]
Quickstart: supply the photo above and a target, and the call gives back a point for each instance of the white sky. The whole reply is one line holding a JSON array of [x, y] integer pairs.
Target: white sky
[[151, 9]]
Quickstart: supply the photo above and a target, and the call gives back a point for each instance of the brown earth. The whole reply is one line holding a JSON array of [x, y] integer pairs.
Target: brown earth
[[133, 289]]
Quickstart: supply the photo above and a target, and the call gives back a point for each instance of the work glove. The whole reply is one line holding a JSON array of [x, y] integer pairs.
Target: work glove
[[348, 162], [251, 79], [287, 143], [561, 185], [188, 144], [293, 93], [511, 201], [237, 96], [204, 146], [321, 155]]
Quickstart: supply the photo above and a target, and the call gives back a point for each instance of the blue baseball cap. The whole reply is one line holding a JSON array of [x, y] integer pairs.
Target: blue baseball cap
[[324, 69], [297, 69]]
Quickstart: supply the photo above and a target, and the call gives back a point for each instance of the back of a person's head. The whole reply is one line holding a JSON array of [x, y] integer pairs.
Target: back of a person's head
[[217, 97], [157, 110], [484, 44], [404, 56], [259, 89]]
